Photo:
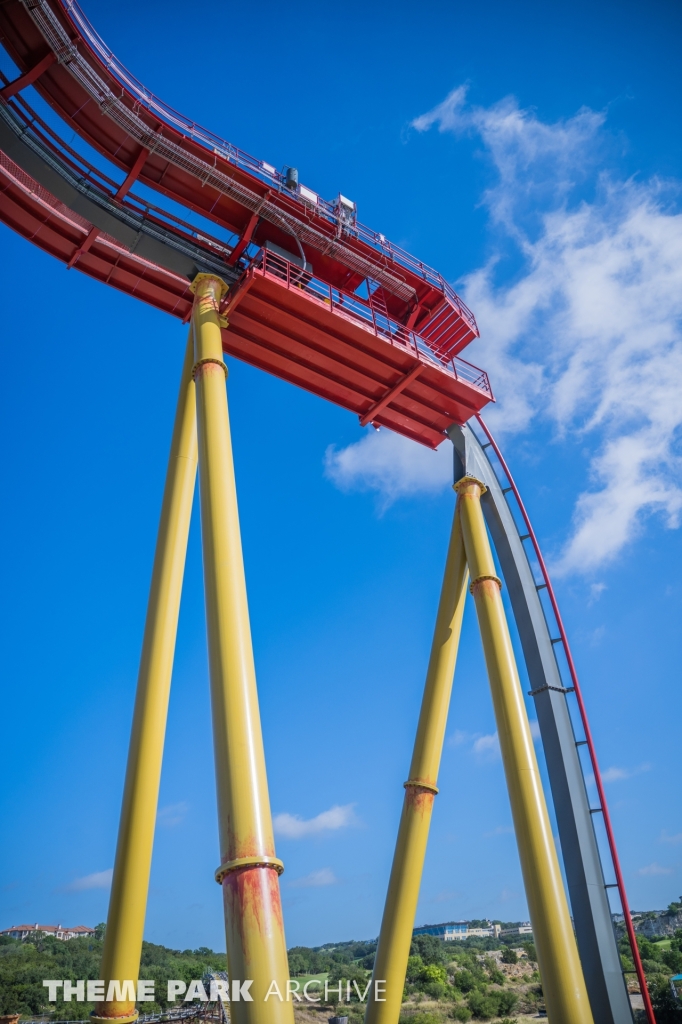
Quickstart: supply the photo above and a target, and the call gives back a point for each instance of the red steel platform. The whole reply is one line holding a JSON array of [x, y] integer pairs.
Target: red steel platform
[[315, 297], [332, 343]]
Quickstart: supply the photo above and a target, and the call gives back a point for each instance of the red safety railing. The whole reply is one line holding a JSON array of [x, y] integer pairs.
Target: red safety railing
[[260, 169], [364, 314], [49, 140], [603, 807]]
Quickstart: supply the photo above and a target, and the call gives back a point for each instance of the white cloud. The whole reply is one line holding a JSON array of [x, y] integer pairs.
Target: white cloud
[[487, 745], [665, 838], [588, 334], [536, 162], [459, 737], [444, 896], [501, 830], [655, 869], [291, 826], [98, 880], [477, 742], [617, 774], [390, 464], [172, 814], [446, 115], [325, 876]]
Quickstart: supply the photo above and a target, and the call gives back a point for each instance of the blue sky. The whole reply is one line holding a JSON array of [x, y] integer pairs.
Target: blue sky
[[533, 155]]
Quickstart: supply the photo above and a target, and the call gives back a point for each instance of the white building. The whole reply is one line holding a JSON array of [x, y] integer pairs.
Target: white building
[[22, 931], [523, 929], [456, 930]]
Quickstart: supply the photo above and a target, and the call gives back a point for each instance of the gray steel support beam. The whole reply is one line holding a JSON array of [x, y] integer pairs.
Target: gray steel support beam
[[584, 874]]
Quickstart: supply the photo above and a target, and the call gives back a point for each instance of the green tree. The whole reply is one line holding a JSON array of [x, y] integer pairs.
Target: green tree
[[509, 956], [648, 950], [415, 966], [461, 1012], [433, 972], [429, 948], [506, 1002], [464, 981], [672, 958], [24, 965], [484, 1005], [529, 947], [667, 1009], [297, 964], [423, 1017], [341, 974]]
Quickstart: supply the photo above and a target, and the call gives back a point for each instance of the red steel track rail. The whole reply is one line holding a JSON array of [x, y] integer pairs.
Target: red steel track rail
[[408, 376], [603, 807], [135, 131], [304, 330]]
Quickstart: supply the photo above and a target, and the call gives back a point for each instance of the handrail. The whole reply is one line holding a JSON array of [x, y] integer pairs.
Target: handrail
[[367, 316], [620, 882], [48, 138], [259, 168]]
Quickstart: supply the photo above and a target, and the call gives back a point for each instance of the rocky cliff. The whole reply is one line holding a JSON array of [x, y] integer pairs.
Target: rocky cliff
[[654, 924]]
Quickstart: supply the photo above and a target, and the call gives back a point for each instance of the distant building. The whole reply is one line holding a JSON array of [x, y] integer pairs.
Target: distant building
[[22, 931], [523, 929], [456, 930]]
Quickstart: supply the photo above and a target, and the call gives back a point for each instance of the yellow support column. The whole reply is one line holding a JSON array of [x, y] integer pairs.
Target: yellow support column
[[562, 977], [390, 963], [128, 902], [249, 870]]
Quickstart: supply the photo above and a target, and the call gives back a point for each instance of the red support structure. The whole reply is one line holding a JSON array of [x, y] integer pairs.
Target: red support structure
[[133, 174], [28, 78], [244, 240], [620, 882], [116, 115], [85, 247], [390, 395]]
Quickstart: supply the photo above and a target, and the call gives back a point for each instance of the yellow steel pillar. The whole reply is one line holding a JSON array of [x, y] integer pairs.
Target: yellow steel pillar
[[128, 902], [562, 977], [249, 870], [403, 888]]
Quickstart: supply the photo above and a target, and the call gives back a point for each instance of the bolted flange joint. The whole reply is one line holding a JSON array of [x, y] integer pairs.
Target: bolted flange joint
[[208, 359], [465, 480], [420, 784], [200, 279], [481, 579], [248, 862], [209, 291]]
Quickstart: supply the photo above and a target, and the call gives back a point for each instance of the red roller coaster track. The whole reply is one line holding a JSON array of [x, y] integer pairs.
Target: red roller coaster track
[[360, 322]]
